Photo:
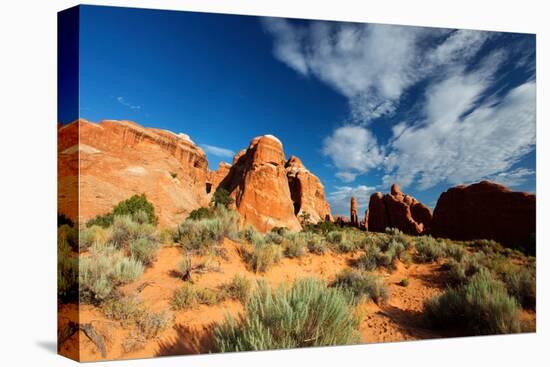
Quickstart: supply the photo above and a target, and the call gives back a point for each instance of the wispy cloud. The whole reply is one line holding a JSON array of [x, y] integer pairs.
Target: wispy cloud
[[515, 177], [354, 150], [125, 103], [217, 151], [460, 131], [340, 199]]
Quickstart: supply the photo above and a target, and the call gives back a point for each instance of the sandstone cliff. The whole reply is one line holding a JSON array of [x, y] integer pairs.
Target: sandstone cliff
[[398, 210], [486, 210]]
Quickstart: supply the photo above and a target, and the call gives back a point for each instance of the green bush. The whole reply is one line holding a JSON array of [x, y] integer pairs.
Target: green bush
[[201, 213], [69, 235], [204, 233], [460, 272], [522, 286], [263, 256], [185, 297], [207, 296], [134, 206], [281, 231], [184, 266], [274, 237], [488, 247], [454, 251], [335, 237], [145, 250], [363, 285], [429, 249], [251, 235], [369, 260], [67, 271], [303, 315], [404, 282], [239, 288], [94, 236], [316, 244], [323, 227], [222, 197], [131, 311], [294, 246], [125, 230], [480, 307], [103, 270], [62, 219]]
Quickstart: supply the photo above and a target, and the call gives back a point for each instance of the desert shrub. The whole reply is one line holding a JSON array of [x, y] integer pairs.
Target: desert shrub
[[131, 311], [94, 236], [222, 198], [209, 297], [201, 213], [455, 251], [460, 272], [488, 247], [263, 257], [134, 206], [184, 297], [323, 227], [166, 236], [103, 270], [152, 323], [126, 309], [429, 249], [67, 272], [294, 246], [369, 260], [316, 244], [522, 285], [306, 314], [133, 342], [335, 237], [282, 231], [184, 266], [145, 250], [404, 282], [251, 235], [398, 236], [363, 285], [125, 230], [239, 288], [204, 233], [406, 258], [274, 237], [68, 235], [480, 307]]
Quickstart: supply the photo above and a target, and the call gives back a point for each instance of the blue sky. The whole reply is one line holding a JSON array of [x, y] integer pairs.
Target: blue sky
[[363, 105]]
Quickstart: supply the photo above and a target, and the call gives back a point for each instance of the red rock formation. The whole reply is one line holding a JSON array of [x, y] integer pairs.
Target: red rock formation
[[485, 210], [214, 178], [258, 182], [118, 159], [306, 191], [354, 219], [366, 221], [397, 210]]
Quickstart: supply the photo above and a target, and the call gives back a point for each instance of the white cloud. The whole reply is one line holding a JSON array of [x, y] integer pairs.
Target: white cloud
[[489, 140], [218, 151], [514, 177], [371, 64], [353, 150], [131, 106], [340, 199]]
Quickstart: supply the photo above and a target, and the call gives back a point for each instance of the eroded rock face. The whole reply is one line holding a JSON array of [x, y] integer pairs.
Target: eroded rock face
[[258, 182], [306, 191], [398, 210], [214, 178], [120, 158], [486, 210], [354, 219]]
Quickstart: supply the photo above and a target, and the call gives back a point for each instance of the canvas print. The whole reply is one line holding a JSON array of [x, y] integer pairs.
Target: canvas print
[[238, 183]]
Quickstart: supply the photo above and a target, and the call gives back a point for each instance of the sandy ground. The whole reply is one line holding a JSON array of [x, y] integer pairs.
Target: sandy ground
[[397, 320]]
